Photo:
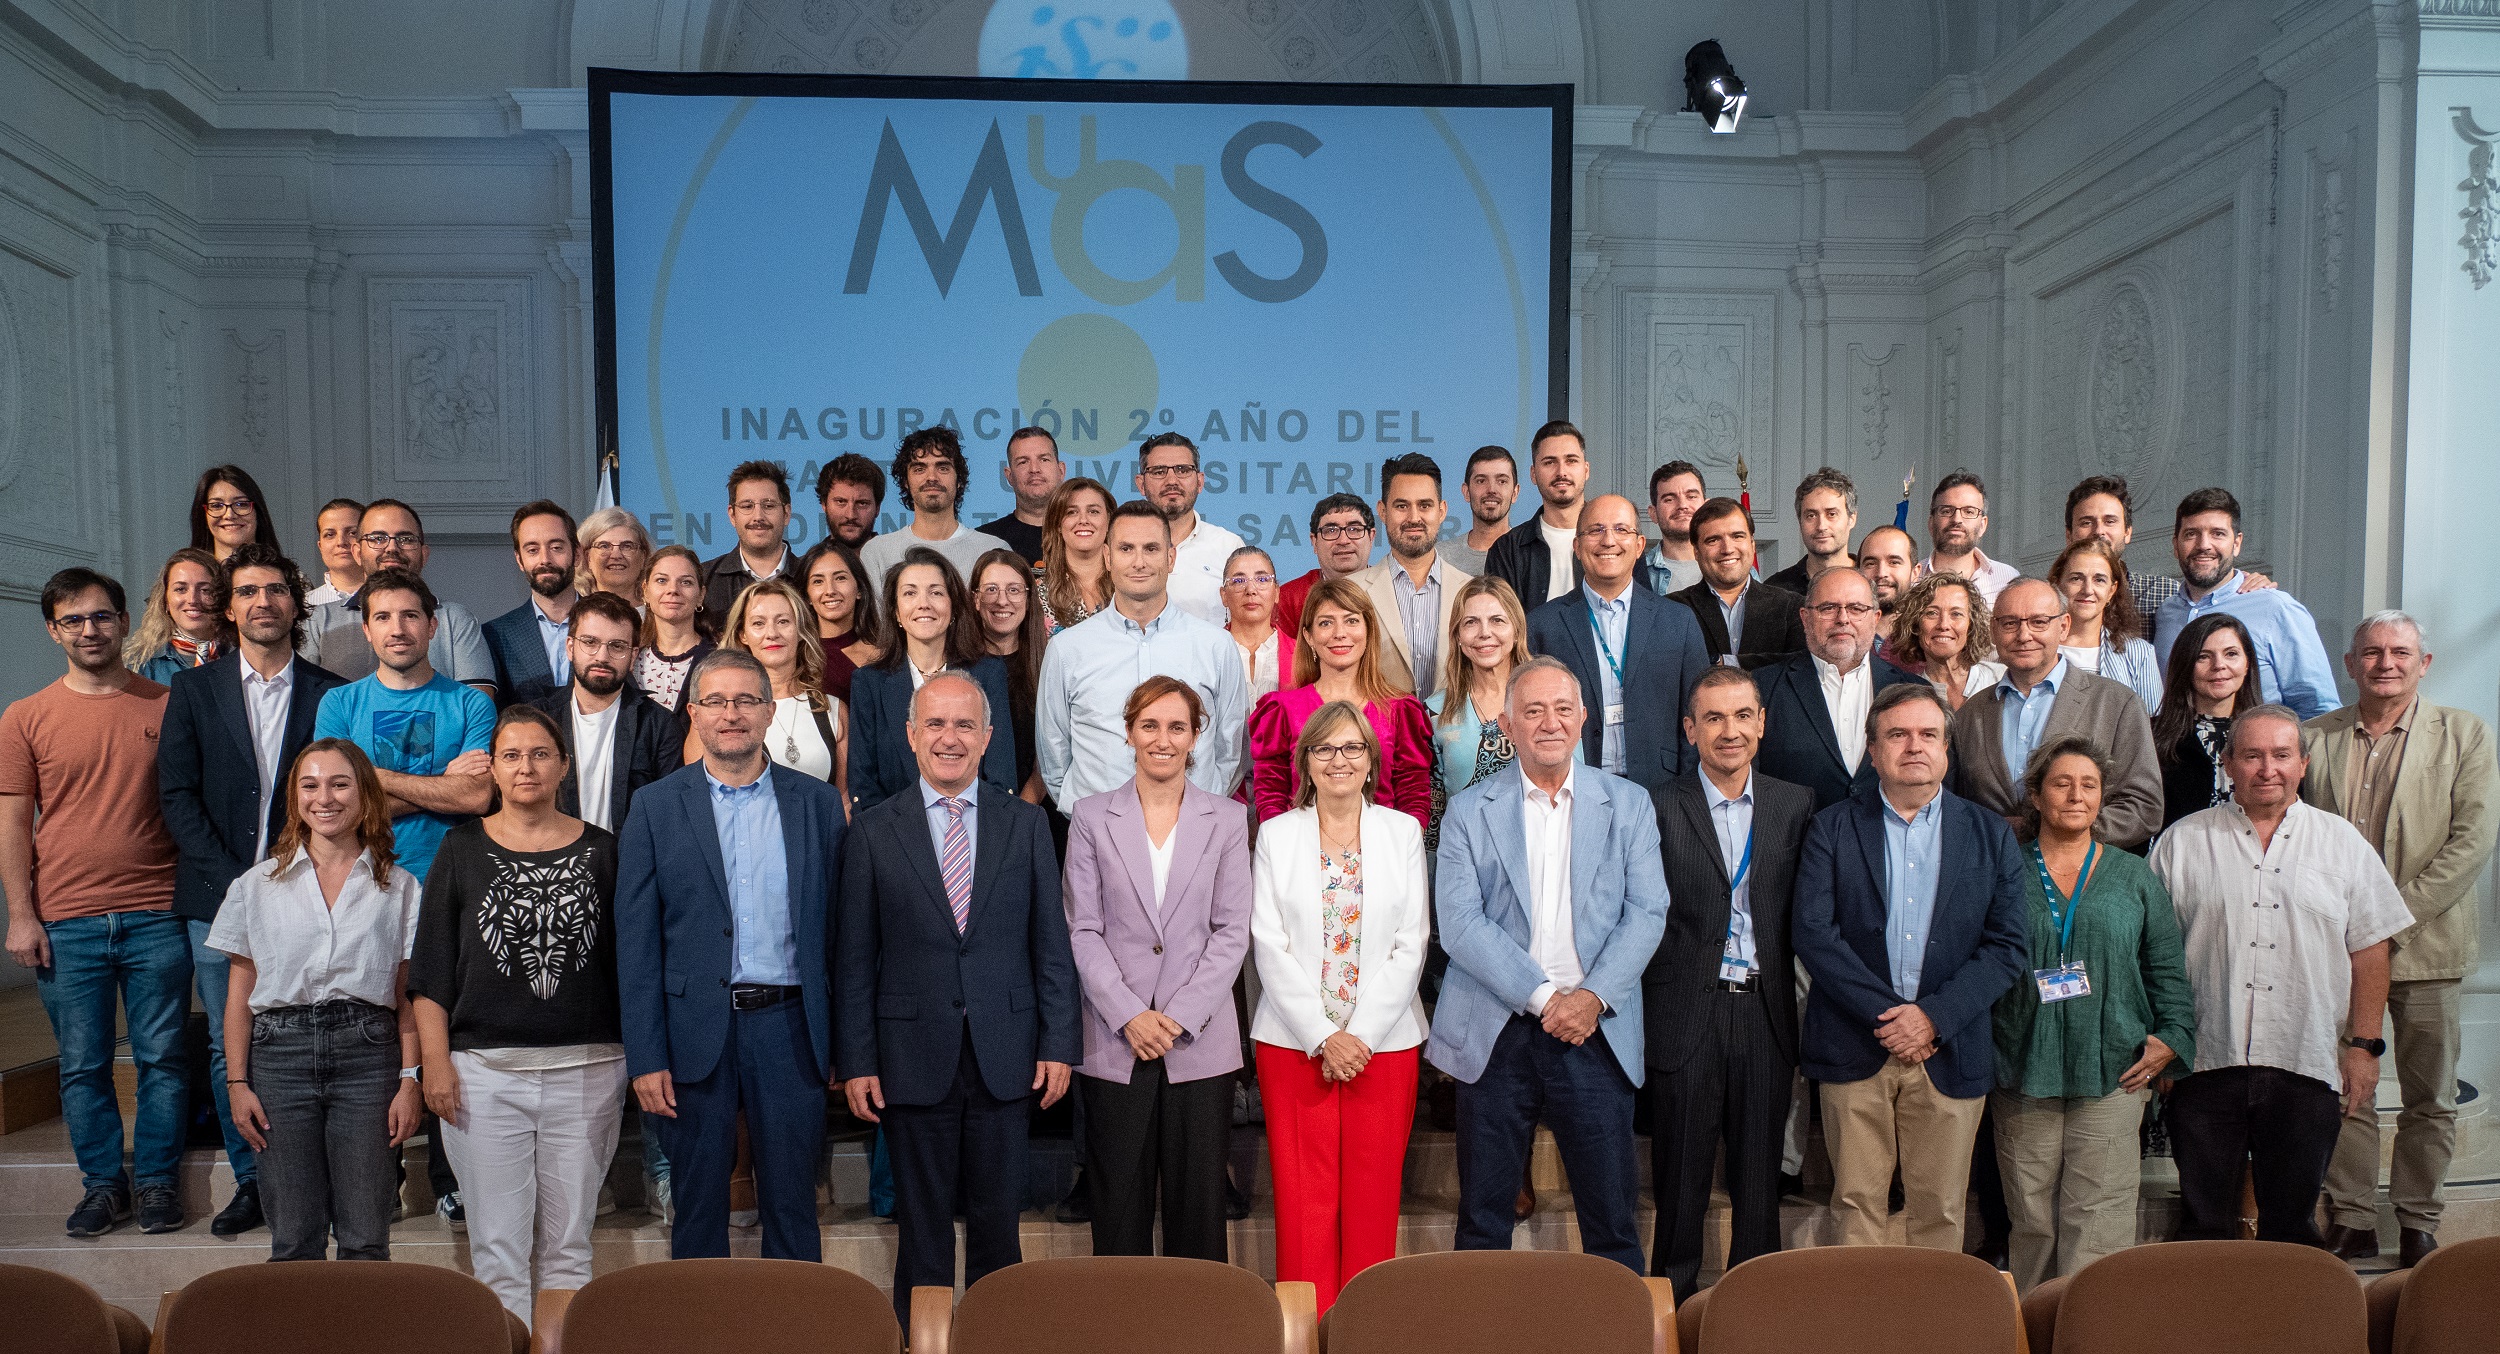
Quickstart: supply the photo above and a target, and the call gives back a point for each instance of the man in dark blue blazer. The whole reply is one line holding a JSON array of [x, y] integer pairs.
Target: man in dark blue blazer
[[958, 991], [1805, 740], [528, 642], [1911, 920], [1636, 654], [232, 728], [724, 882], [632, 739]]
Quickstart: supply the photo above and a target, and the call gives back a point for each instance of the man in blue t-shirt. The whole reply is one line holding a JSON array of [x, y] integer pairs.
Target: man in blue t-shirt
[[2292, 667], [426, 734]]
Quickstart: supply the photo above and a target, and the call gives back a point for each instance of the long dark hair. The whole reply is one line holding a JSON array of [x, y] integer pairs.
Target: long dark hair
[[864, 625], [264, 531], [964, 643], [2177, 714], [1024, 666]]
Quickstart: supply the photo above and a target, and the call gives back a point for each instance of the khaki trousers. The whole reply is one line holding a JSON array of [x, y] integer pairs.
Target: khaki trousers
[[2424, 1037], [2073, 1171], [1898, 1117]]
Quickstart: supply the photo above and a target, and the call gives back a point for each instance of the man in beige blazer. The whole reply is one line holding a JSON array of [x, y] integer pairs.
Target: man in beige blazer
[[2050, 698], [2418, 780], [1414, 590]]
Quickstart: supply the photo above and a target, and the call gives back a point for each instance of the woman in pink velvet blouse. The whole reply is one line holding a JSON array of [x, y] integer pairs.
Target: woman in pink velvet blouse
[[1334, 659]]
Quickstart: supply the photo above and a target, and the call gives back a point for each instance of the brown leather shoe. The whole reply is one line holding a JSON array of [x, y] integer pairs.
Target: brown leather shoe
[[1524, 1207], [2352, 1243], [2413, 1245]]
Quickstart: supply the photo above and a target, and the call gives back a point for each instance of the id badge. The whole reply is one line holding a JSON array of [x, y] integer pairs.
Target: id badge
[[2063, 983], [1733, 970], [1614, 714]]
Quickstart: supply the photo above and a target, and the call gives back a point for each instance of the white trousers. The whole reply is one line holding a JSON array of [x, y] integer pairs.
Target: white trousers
[[531, 1149]]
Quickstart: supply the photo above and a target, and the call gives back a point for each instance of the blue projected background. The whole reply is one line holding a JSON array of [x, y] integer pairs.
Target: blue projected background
[[1305, 289]]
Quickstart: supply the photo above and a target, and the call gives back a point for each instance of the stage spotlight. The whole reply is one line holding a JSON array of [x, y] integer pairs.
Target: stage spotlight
[[1711, 87]]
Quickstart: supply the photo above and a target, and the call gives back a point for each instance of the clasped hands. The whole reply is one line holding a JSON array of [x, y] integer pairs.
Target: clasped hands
[[1906, 1033], [1572, 1016], [1151, 1035]]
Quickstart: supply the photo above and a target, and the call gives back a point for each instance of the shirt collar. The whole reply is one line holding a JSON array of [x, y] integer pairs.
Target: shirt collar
[[301, 859], [1618, 606], [1404, 582], [1710, 791], [1926, 813], [286, 677], [2051, 683], [1831, 673], [2403, 724], [725, 791], [1149, 629], [1560, 799], [931, 796], [545, 621]]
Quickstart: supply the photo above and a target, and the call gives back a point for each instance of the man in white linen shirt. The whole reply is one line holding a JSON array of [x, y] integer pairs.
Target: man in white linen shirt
[[1080, 734], [2286, 913]]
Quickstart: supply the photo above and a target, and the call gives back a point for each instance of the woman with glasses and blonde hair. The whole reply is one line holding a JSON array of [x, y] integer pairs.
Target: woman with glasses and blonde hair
[[1074, 576], [770, 621], [1339, 920], [184, 624], [321, 1046], [675, 632], [1334, 659], [1941, 633], [610, 547]]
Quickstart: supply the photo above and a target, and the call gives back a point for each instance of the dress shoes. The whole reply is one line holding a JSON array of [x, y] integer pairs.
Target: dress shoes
[[2413, 1245], [2352, 1243]]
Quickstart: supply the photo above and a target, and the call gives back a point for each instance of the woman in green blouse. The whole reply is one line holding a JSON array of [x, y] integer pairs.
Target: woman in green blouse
[[2105, 1011]]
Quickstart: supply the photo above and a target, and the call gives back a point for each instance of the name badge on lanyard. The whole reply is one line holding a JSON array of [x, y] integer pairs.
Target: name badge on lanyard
[[2068, 980], [1614, 663], [1733, 968]]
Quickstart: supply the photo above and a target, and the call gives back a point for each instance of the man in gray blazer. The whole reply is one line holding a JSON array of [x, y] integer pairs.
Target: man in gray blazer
[[1552, 896], [2045, 697]]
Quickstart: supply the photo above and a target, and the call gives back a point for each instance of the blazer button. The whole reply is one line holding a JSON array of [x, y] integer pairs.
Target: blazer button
[[724, 982], [727, 934], [959, 1006], [1158, 949]]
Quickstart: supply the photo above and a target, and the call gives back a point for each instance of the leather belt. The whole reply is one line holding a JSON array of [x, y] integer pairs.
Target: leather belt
[[757, 996], [1750, 984]]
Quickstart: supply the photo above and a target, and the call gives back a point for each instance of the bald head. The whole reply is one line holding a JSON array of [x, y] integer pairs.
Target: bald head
[[1609, 543], [1840, 616], [2028, 625]]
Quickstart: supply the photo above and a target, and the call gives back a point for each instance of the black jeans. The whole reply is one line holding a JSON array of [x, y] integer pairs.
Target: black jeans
[[2281, 1123], [325, 1076]]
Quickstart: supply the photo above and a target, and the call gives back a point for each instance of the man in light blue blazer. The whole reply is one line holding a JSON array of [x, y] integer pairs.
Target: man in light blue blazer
[[1553, 896], [724, 878]]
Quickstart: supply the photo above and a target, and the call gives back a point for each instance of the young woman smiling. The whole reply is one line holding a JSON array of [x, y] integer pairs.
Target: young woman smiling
[[1074, 574], [673, 638], [1334, 659], [929, 626]]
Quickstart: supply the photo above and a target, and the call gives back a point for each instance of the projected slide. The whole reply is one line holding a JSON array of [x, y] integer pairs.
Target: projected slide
[[1304, 279]]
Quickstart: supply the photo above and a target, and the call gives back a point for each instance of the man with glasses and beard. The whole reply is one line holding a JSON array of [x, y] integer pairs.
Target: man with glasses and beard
[[622, 740], [2292, 667], [391, 536], [529, 642]]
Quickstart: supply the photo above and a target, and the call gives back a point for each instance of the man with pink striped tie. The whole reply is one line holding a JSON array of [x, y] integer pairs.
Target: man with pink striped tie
[[957, 997]]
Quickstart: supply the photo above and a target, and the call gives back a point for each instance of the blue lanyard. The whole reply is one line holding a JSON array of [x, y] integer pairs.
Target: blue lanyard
[[2064, 917], [1744, 867], [1598, 627]]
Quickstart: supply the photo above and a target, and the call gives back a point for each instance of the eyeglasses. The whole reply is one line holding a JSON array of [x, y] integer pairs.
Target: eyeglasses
[[1250, 581], [614, 648], [2035, 625], [534, 756], [1832, 611], [1339, 752], [741, 704], [1337, 531], [229, 507], [101, 620], [1619, 531], [405, 540], [1165, 472], [1002, 592], [616, 547], [1958, 514]]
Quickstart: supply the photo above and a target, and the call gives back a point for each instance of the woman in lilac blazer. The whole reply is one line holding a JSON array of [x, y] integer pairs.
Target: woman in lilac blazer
[[1158, 900]]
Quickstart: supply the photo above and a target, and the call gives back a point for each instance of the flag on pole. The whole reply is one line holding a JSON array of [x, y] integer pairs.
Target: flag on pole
[[607, 482], [1901, 511]]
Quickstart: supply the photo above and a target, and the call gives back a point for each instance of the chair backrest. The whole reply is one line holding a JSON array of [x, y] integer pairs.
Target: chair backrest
[[2383, 1296], [319, 1307], [1520, 1302], [2452, 1303], [1111, 1304], [751, 1306], [40, 1309], [2040, 1314], [1863, 1299], [2214, 1296]]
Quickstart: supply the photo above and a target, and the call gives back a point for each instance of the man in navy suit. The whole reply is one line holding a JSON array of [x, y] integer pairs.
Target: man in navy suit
[[1636, 654], [232, 728], [528, 642], [1814, 705], [1552, 897], [958, 991], [724, 882], [1910, 918]]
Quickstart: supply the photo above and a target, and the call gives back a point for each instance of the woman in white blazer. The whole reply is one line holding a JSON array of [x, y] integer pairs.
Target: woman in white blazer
[[1338, 924]]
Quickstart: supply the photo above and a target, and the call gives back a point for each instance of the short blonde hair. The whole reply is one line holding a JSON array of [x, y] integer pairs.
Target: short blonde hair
[[593, 527]]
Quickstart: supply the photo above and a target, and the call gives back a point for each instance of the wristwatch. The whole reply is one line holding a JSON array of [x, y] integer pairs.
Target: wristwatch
[[408, 1073], [2376, 1048]]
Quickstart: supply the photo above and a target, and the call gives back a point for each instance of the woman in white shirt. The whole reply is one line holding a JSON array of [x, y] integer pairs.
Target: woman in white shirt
[[2104, 635], [321, 1052], [809, 728], [1338, 926]]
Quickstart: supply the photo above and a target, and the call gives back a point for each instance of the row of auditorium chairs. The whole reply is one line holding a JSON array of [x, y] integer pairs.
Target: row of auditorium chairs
[[2201, 1297]]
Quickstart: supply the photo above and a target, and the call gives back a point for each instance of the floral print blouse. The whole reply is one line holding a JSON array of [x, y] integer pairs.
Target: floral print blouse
[[1340, 933]]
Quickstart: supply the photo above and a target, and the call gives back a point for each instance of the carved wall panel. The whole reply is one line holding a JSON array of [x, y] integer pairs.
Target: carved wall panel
[[1701, 385], [41, 513], [450, 384], [1874, 392], [254, 380]]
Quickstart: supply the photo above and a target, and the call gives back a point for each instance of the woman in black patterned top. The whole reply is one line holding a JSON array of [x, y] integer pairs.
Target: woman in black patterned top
[[515, 981], [2212, 678]]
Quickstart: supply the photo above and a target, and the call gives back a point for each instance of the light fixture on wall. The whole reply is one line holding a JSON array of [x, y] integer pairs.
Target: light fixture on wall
[[1712, 88]]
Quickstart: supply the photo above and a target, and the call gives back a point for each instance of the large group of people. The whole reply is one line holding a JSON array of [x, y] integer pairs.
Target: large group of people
[[938, 827]]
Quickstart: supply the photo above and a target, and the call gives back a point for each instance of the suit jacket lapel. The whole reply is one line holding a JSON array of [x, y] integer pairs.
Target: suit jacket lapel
[[228, 692], [911, 829], [1696, 808], [1591, 811], [698, 802], [797, 841], [1870, 827], [1510, 829], [1134, 847], [1192, 837], [989, 844], [1807, 681], [1584, 649]]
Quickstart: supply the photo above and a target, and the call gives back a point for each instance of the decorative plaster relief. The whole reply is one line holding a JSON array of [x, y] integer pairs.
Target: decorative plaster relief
[[258, 380], [43, 516], [2482, 200], [13, 385], [1706, 378], [2332, 227], [1871, 399], [1949, 395], [169, 376], [449, 384]]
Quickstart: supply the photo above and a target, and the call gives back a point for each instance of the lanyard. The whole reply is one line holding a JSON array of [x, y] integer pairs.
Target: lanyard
[[1598, 627], [1744, 867], [2064, 917]]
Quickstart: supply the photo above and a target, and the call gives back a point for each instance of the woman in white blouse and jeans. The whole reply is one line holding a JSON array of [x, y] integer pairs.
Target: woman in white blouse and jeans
[[321, 1050]]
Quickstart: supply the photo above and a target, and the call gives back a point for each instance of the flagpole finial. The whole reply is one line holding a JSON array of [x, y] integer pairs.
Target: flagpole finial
[[1743, 476]]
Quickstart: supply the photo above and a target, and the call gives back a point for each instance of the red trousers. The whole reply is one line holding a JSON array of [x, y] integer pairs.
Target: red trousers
[[1338, 1151]]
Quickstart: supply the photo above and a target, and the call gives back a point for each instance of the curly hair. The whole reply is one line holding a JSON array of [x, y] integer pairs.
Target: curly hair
[[1904, 636]]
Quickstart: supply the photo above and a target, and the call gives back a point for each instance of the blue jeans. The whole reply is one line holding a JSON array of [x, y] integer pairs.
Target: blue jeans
[[325, 1076], [208, 973], [145, 958]]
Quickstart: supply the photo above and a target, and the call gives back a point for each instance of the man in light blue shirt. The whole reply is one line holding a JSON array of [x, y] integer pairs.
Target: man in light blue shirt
[[1733, 820], [1913, 847], [1080, 725], [748, 820], [2292, 667]]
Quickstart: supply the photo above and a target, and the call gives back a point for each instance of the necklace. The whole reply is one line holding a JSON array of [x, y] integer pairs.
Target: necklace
[[789, 736]]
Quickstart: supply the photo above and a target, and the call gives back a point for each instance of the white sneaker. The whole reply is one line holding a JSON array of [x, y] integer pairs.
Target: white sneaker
[[656, 1200], [745, 1217]]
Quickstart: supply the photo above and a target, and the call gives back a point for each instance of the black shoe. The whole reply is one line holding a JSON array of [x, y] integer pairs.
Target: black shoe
[[1996, 1250], [1792, 1186], [2352, 1243], [1079, 1205], [1236, 1203], [2413, 1245], [105, 1208], [160, 1209], [242, 1212]]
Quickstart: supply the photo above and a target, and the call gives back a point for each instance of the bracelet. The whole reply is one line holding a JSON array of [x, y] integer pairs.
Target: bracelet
[[237, 1081]]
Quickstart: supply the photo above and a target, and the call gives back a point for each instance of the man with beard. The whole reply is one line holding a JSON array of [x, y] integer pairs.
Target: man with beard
[[935, 476], [390, 535], [2292, 667], [1888, 559], [528, 642], [1491, 487], [1675, 494], [1827, 511], [622, 739], [1744, 622], [1536, 557], [232, 728], [1415, 589], [759, 510], [851, 489], [1034, 473], [1168, 475], [1957, 518]]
